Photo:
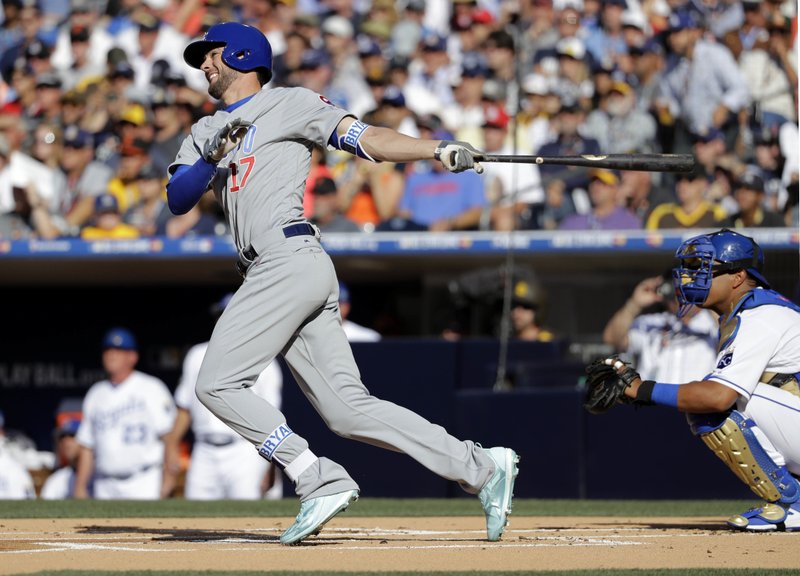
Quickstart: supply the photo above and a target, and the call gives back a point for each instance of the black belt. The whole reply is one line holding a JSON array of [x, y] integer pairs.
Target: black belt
[[249, 254], [103, 476], [216, 440]]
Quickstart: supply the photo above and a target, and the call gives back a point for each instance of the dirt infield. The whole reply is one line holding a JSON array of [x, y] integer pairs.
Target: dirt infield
[[383, 544]]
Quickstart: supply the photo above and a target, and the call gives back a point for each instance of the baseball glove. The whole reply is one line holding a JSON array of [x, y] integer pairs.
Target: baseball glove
[[225, 140], [606, 384]]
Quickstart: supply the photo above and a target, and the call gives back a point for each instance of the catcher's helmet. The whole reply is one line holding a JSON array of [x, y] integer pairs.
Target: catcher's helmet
[[246, 48], [702, 257]]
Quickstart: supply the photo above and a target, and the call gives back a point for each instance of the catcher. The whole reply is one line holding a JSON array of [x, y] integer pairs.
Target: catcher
[[747, 410]]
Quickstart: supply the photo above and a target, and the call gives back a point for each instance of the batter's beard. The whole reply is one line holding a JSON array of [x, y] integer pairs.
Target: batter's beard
[[222, 83]]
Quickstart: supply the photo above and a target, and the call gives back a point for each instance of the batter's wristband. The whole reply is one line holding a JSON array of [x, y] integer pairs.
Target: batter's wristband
[[644, 395]]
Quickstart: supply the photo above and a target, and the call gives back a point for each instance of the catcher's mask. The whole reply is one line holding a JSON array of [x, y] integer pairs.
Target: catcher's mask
[[703, 257]]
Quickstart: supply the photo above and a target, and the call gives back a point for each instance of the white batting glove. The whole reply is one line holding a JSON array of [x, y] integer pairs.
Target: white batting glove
[[458, 156], [225, 140]]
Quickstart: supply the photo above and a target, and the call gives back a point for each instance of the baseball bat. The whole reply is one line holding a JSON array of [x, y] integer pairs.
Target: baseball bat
[[643, 162]]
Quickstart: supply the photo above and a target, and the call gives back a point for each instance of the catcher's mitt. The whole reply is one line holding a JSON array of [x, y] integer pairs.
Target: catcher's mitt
[[605, 384]]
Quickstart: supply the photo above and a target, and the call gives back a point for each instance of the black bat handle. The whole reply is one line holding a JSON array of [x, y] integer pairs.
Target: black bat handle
[[643, 162]]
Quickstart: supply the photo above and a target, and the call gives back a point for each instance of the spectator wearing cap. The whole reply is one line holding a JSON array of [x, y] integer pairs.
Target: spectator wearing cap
[[27, 31], [501, 57], [47, 105], [702, 86], [775, 151], [606, 42], [620, 126], [647, 63], [83, 65], [464, 116], [150, 214], [709, 150], [692, 209], [285, 66], [528, 311], [510, 188], [565, 186], [407, 33], [86, 179], [752, 31], [84, 20], [108, 224], [543, 29], [328, 214], [125, 420], [317, 74], [169, 128], [770, 70], [151, 40], [394, 113], [720, 17], [354, 332], [371, 56], [60, 485], [749, 195], [640, 192], [607, 213], [133, 157], [347, 73], [573, 82], [539, 105], [429, 87]]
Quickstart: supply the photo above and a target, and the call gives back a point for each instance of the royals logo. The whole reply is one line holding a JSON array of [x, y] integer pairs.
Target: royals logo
[[725, 361]]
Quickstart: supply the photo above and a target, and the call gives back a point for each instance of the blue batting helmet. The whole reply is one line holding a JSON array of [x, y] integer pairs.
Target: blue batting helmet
[[703, 257], [246, 47]]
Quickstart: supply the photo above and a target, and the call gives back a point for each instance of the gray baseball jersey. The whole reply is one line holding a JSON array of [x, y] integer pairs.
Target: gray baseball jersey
[[260, 184], [288, 304]]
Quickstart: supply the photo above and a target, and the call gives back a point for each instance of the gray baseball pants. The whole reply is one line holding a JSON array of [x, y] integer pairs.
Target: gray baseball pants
[[288, 304]]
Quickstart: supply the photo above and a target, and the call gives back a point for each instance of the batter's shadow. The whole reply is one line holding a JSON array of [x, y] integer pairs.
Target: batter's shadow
[[181, 534], [198, 535]]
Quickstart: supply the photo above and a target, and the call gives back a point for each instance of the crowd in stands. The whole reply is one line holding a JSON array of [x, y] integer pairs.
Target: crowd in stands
[[95, 100]]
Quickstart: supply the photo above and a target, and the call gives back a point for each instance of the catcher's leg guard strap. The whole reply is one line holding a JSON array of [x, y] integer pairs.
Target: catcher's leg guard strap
[[736, 444]]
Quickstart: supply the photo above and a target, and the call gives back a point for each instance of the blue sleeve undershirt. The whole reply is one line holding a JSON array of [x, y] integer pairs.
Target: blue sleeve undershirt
[[187, 184]]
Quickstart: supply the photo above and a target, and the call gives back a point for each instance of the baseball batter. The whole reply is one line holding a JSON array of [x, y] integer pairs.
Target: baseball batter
[[125, 418], [255, 155], [747, 410]]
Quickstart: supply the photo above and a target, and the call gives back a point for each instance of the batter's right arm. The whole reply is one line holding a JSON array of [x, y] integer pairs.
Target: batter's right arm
[[83, 473]]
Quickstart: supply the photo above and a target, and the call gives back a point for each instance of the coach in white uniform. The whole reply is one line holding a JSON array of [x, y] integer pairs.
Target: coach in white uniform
[[223, 465], [125, 418]]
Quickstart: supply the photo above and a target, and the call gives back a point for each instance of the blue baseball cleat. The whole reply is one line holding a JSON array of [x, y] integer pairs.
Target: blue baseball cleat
[[497, 493], [768, 518], [315, 513]]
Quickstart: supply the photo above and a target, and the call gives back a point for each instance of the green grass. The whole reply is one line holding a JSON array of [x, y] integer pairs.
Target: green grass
[[366, 507]]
